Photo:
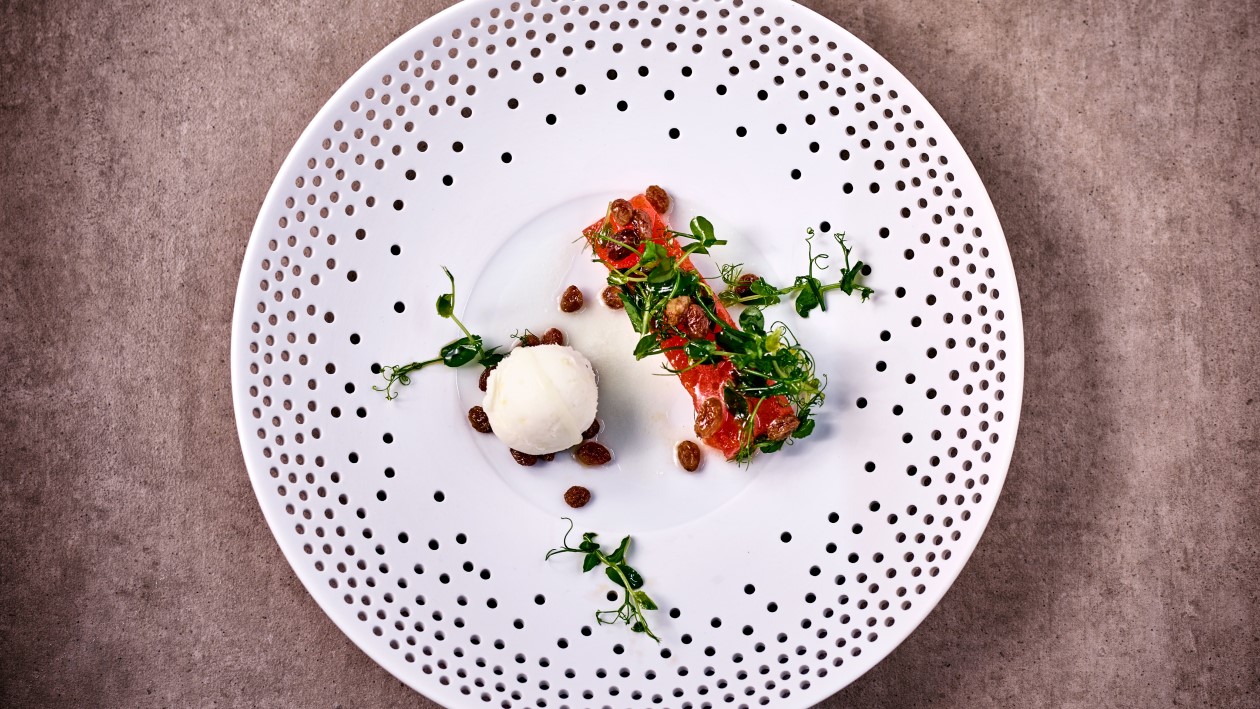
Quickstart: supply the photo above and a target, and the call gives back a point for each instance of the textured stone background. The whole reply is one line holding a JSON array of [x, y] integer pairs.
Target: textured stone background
[[1117, 139]]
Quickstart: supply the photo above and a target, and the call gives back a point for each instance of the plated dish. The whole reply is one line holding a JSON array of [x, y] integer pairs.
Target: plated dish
[[761, 534]]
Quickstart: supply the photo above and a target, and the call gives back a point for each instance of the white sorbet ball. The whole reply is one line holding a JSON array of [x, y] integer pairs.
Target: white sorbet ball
[[541, 399]]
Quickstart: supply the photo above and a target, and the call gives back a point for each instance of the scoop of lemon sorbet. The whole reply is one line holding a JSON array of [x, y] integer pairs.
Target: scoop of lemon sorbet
[[541, 399]]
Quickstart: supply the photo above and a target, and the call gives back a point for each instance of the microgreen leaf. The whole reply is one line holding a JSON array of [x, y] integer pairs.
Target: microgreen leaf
[[769, 446], [700, 351], [618, 556], [773, 342], [590, 561], [491, 357], [753, 321], [806, 427], [732, 340], [611, 573], [446, 301], [632, 311], [632, 576], [810, 295], [663, 272], [645, 600], [461, 351], [648, 345], [702, 229], [734, 400]]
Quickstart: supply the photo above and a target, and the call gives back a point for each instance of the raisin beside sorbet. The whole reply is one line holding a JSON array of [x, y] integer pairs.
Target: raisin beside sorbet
[[525, 459], [590, 453], [479, 420], [592, 431], [553, 336]]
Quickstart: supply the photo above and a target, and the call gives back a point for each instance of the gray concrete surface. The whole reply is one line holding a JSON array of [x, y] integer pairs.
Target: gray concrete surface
[[1119, 143]]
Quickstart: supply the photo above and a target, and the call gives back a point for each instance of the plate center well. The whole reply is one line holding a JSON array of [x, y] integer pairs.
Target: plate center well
[[644, 413]]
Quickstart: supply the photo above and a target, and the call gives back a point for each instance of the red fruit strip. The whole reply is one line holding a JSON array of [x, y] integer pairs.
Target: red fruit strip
[[703, 381]]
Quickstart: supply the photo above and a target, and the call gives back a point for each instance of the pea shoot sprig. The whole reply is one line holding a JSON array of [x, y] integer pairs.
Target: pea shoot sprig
[[633, 600], [809, 289], [455, 353]]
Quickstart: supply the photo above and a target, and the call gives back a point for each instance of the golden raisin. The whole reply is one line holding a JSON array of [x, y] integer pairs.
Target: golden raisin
[[577, 496], [621, 212], [625, 242], [571, 301], [592, 454], [612, 298], [591, 432], [485, 378], [709, 417], [676, 308], [695, 322], [553, 336], [689, 456], [525, 459], [658, 198], [782, 427], [642, 223], [743, 285], [479, 420]]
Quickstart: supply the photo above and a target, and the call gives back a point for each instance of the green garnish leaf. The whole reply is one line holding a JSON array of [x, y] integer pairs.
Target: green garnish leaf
[[770, 446], [806, 427], [446, 301], [590, 561], [632, 311], [663, 272], [614, 576], [618, 556], [647, 346], [702, 229], [461, 351], [752, 320], [491, 357], [446, 305], [810, 295], [700, 351], [645, 600], [632, 576], [772, 345], [732, 340], [734, 400]]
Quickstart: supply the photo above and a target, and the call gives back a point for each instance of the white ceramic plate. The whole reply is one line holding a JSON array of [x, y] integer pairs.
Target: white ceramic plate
[[480, 141]]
